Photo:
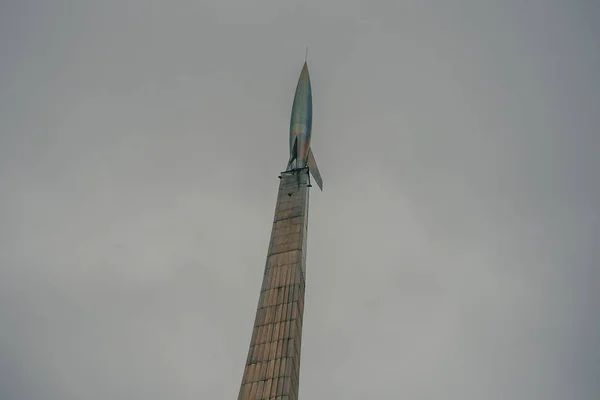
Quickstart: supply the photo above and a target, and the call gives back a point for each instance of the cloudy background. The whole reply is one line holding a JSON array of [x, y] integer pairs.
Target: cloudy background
[[453, 254]]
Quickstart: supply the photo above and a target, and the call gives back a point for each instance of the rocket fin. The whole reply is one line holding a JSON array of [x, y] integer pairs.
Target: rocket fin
[[314, 170], [293, 154]]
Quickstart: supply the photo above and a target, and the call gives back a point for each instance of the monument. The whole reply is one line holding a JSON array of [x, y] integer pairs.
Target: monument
[[273, 364]]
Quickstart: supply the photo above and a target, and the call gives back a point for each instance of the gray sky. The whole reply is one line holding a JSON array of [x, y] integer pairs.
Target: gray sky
[[453, 254]]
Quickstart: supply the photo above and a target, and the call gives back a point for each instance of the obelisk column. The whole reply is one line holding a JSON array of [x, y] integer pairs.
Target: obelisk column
[[273, 364]]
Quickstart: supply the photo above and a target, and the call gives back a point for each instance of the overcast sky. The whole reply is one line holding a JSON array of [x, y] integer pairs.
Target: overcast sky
[[453, 254]]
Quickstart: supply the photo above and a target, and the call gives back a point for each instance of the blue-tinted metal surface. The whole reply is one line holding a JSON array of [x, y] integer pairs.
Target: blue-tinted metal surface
[[301, 120]]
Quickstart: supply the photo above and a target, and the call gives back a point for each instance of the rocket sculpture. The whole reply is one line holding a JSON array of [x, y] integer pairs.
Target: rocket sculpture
[[301, 155], [272, 368]]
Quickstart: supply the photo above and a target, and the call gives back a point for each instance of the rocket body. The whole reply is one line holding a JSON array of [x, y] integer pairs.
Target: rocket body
[[301, 155], [301, 120]]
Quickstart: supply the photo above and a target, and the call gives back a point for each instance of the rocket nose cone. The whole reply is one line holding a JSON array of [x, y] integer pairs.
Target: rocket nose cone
[[304, 76], [303, 95], [303, 88]]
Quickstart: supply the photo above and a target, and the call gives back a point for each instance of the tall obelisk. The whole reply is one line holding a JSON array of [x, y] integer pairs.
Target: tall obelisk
[[273, 365]]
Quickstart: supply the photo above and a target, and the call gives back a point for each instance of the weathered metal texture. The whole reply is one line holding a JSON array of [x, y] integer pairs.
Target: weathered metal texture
[[273, 365], [301, 120]]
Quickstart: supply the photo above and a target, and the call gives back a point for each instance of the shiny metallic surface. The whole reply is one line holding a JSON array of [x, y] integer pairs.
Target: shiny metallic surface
[[301, 155], [301, 121]]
